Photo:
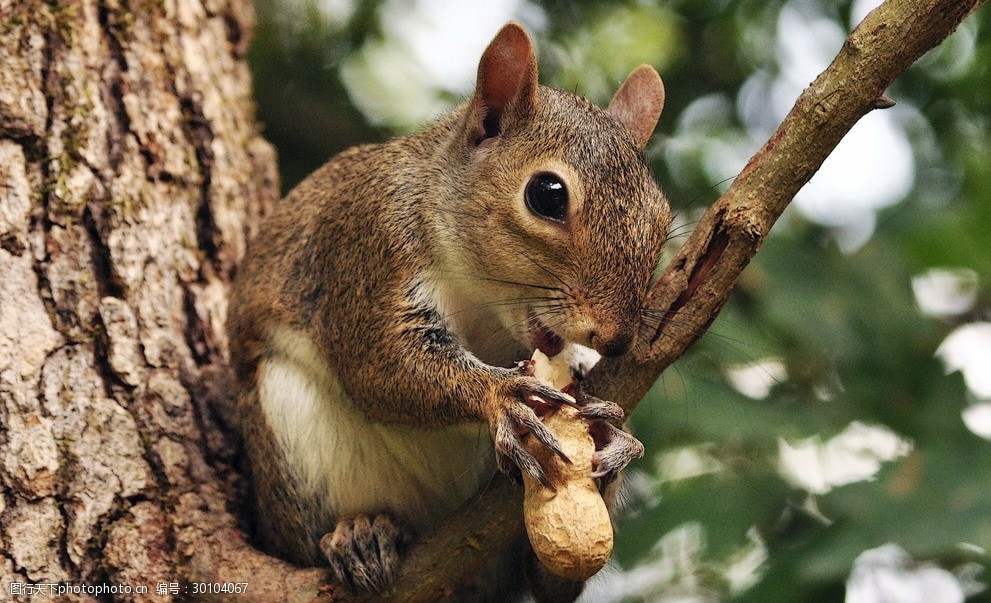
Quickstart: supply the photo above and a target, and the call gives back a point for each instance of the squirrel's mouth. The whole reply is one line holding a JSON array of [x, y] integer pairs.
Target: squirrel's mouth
[[544, 339]]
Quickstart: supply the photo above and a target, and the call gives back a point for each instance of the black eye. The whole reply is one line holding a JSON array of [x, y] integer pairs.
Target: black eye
[[547, 196]]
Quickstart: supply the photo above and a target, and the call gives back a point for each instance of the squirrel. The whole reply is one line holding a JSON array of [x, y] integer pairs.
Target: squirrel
[[376, 320]]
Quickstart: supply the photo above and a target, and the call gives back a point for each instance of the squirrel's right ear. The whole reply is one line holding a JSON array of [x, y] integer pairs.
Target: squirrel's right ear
[[638, 103], [506, 85]]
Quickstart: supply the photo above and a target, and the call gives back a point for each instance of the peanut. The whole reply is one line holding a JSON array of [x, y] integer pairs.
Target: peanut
[[569, 527]]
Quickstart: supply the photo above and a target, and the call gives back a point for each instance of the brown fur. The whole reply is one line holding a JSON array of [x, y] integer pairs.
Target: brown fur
[[353, 257]]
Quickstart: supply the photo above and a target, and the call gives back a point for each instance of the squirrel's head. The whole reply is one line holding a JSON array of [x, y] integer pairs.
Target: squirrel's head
[[560, 218]]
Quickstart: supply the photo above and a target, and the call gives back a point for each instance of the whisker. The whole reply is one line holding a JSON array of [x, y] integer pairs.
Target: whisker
[[683, 229], [654, 319], [549, 311], [501, 302], [712, 187], [548, 271], [742, 351], [503, 281]]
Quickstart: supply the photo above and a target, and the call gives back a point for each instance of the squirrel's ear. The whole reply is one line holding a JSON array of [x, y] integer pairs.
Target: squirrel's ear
[[638, 103], [507, 82]]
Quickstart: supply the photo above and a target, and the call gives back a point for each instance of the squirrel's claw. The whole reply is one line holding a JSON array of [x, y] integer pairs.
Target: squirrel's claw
[[510, 453], [614, 449], [594, 409], [517, 416], [364, 552], [548, 394]]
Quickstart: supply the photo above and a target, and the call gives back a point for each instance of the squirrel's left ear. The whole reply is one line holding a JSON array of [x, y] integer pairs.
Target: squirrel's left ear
[[638, 103], [506, 85]]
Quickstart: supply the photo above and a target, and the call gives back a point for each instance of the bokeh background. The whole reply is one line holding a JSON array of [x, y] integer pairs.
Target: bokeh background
[[828, 439]]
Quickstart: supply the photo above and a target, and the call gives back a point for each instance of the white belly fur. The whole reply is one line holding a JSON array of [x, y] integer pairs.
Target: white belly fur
[[354, 465]]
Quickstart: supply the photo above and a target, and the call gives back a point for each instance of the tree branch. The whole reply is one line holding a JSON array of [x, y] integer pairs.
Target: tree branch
[[697, 283]]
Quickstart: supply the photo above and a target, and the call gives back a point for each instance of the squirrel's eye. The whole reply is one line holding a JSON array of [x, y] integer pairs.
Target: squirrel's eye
[[547, 196]]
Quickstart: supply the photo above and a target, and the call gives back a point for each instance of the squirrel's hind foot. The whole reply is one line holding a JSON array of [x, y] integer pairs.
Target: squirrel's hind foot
[[364, 552]]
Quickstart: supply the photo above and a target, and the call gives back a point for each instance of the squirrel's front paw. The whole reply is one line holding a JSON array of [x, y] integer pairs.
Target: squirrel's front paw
[[614, 449], [513, 415], [364, 552]]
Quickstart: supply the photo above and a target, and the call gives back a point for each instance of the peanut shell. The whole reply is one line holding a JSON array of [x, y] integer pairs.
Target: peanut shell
[[569, 529]]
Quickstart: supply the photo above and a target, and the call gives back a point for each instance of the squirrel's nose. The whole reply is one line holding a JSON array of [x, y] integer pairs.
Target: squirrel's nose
[[616, 345]]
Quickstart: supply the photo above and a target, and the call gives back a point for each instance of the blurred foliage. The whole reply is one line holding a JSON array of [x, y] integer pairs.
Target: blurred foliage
[[846, 326]]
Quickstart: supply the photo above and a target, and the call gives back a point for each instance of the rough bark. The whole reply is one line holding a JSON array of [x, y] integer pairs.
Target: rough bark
[[130, 170], [131, 175]]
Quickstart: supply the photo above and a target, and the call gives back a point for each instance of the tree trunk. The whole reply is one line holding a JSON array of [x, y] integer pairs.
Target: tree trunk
[[130, 170]]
